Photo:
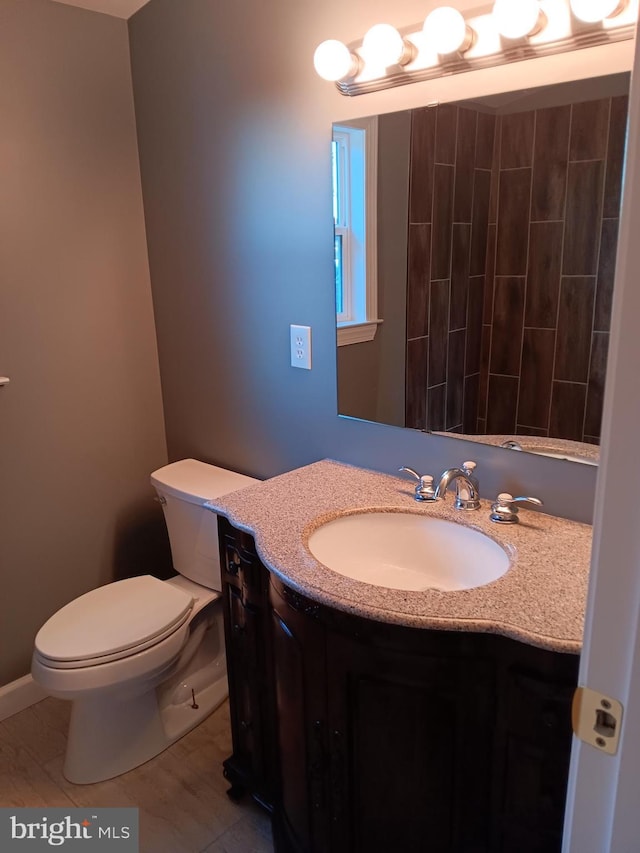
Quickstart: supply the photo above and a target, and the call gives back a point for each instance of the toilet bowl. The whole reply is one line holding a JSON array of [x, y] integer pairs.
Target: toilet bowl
[[143, 660]]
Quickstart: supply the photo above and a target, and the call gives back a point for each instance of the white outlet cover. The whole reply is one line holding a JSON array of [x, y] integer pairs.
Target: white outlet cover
[[301, 346]]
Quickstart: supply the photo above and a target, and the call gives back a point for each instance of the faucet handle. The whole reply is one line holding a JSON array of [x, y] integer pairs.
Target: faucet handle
[[469, 469], [503, 510], [424, 489], [468, 493]]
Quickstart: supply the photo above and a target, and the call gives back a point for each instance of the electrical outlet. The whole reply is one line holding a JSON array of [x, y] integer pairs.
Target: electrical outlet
[[301, 347]]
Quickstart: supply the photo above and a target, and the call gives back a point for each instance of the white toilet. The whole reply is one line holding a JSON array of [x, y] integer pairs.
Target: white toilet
[[143, 660]]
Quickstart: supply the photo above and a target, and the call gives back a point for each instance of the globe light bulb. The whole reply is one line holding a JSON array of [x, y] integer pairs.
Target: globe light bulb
[[516, 19], [383, 45], [446, 31], [593, 11], [333, 60]]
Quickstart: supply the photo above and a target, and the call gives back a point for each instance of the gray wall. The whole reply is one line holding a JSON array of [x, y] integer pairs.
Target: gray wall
[[233, 130], [81, 423]]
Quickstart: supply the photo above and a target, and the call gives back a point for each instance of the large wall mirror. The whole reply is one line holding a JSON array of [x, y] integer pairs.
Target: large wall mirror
[[496, 224]]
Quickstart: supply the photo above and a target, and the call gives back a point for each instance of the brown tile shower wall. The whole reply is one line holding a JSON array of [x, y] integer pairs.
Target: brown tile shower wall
[[512, 237], [450, 183], [546, 329]]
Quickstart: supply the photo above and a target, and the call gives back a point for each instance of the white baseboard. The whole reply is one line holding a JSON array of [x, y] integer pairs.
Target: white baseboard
[[18, 695]]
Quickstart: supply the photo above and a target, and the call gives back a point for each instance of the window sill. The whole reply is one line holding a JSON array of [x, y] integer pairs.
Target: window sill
[[357, 333]]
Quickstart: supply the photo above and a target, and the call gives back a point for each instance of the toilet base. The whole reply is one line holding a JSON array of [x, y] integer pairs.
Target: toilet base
[[110, 733], [108, 738]]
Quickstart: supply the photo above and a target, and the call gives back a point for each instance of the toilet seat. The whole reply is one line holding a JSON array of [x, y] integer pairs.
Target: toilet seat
[[113, 622]]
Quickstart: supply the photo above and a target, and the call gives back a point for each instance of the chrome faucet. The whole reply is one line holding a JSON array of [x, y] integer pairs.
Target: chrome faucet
[[467, 489], [424, 488], [504, 509]]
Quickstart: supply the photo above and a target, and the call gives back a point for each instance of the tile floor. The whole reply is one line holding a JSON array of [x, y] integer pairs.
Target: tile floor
[[181, 794]]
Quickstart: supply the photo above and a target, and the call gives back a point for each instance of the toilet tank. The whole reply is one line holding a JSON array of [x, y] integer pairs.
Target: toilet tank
[[183, 487]]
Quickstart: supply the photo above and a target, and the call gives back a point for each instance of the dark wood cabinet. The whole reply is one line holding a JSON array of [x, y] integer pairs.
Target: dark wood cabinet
[[367, 737], [253, 766], [533, 749], [301, 729], [407, 748]]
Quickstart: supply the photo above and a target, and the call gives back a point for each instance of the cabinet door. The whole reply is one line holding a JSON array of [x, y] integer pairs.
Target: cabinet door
[[300, 673], [248, 701], [410, 749], [537, 750], [249, 667]]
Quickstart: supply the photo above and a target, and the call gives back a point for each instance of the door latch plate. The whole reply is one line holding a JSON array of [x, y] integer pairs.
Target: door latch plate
[[596, 719]]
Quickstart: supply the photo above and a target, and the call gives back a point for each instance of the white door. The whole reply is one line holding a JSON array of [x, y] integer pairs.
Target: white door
[[603, 807]]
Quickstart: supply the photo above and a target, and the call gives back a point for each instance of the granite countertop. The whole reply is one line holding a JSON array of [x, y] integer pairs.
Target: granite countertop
[[540, 600], [563, 448]]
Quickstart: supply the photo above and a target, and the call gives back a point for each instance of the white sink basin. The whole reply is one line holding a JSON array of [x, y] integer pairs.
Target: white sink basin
[[402, 550]]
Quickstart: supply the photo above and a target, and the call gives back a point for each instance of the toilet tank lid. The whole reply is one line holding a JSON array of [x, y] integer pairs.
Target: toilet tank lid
[[197, 482]]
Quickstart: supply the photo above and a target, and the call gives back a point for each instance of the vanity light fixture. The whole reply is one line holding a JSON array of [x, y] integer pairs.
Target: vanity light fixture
[[517, 20], [383, 45], [594, 11], [446, 31], [447, 43], [334, 61]]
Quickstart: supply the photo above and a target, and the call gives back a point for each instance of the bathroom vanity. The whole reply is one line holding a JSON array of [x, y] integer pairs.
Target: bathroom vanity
[[372, 719]]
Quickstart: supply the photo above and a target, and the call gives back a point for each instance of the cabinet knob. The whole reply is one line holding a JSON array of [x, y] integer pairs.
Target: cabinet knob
[[238, 630], [245, 725], [233, 563]]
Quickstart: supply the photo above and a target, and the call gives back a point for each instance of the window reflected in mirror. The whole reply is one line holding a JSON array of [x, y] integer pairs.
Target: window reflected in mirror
[[354, 169]]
